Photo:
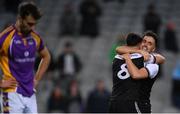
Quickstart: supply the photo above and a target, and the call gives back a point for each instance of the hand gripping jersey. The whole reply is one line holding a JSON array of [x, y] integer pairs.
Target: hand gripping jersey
[[124, 87], [17, 58]]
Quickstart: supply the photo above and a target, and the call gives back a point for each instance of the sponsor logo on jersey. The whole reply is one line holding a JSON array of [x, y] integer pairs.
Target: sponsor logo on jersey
[[26, 53], [17, 41]]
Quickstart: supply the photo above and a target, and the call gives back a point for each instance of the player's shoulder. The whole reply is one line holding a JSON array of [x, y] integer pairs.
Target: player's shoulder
[[6, 30], [35, 34], [133, 56], [136, 55], [117, 56]]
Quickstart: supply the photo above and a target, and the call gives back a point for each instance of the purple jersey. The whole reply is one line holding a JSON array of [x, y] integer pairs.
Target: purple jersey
[[17, 59]]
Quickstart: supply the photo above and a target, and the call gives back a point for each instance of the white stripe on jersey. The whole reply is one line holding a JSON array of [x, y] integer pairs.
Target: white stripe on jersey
[[133, 56], [137, 108]]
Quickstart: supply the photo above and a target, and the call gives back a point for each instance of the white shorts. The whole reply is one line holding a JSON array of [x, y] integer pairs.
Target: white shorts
[[14, 102]]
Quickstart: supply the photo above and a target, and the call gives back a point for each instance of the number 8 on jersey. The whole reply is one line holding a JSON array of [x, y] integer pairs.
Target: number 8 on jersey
[[123, 73]]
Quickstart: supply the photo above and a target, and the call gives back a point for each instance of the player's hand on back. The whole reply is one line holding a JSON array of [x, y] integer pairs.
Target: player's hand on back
[[126, 56]]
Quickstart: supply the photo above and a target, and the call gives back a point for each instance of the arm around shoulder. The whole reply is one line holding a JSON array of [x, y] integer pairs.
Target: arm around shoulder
[[135, 73], [159, 58]]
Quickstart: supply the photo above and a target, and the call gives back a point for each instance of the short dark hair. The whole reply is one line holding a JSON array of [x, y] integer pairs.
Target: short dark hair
[[133, 39], [29, 8], [153, 35]]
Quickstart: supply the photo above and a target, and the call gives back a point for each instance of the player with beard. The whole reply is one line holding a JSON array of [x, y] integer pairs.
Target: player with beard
[[19, 44], [148, 73]]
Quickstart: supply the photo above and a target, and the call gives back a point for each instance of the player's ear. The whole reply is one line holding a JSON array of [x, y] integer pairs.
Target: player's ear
[[19, 18]]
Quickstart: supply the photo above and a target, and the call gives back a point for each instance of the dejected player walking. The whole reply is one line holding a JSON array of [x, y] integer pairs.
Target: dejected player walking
[[19, 44]]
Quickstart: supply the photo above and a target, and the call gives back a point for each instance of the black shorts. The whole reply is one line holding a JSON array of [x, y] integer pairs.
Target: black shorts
[[125, 106], [144, 106]]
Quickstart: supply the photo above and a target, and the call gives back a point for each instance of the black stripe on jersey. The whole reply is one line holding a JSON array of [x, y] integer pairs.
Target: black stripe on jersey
[[148, 72], [154, 58]]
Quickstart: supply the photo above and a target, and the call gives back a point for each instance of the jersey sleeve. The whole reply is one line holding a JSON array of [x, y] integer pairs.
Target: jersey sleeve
[[4, 34], [41, 45], [152, 70], [2, 38], [39, 42], [151, 59]]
